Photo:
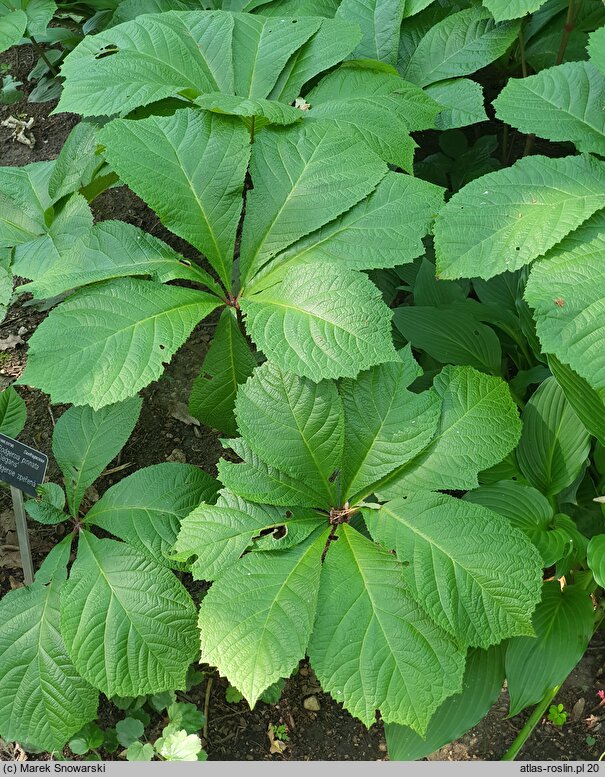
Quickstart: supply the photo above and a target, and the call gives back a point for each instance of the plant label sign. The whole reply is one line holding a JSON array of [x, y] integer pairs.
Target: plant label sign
[[21, 466]]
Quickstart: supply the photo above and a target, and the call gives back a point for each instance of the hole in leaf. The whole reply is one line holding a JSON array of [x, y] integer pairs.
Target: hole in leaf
[[280, 532], [107, 51]]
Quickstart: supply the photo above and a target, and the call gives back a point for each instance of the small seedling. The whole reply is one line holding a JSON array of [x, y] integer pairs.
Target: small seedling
[[557, 714]]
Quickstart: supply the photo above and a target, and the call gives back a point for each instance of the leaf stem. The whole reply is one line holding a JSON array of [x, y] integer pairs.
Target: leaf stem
[[532, 722], [522, 52], [42, 54], [206, 706], [567, 29]]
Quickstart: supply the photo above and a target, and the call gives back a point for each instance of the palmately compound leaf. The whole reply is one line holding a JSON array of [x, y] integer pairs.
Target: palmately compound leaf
[[107, 342], [461, 100], [511, 9], [385, 424], [479, 426], [554, 444], [596, 49], [563, 623], [228, 363], [128, 623], [483, 679], [562, 103], [12, 28], [588, 403], [153, 156], [321, 322], [272, 111], [460, 44], [294, 425], [476, 576], [146, 508], [303, 177], [566, 293], [380, 21], [528, 510], [13, 412], [256, 620], [86, 440], [372, 647], [44, 698], [504, 220]]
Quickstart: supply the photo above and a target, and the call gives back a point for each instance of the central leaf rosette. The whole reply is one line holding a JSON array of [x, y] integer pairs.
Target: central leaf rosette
[[331, 538]]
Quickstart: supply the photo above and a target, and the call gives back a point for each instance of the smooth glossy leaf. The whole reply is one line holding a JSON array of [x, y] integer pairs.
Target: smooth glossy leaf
[[13, 413], [380, 21], [596, 558], [588, 403], [461, 100], [372, 646], [128, 623], [562, 103], [106, 343], [563, 623], [474, 574], [506, 219], [554, 444]]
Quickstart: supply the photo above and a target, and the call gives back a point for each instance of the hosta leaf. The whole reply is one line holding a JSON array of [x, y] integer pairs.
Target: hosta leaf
[[505, 219], [372, 646], [148, 59], [273, 112], [44, 699], [483, 679], [450, 334], [12, 28], [588, 403], [563, 103], [321, 322], [153, 156], [146, 508], [385, 424], [554, 444], [460, 44], [293, 424], [526, 509], [380, 21], [563, 623], [303, 177], [479, 425], [115, 249], [13, 413], [228, 363], [566, 293], [461, 100], [596, 49], [257, 618], [128, 623], [383, 230], [86, 440], [474, 574], [260, 482], [596, 558], [511, 9], [106, 343], [38, 12]]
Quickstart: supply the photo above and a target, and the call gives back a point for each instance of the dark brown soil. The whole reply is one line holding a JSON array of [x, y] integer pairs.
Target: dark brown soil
[[234, 732]]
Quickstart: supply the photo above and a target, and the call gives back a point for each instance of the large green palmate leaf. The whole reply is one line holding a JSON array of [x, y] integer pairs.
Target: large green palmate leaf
[[479, 426], [563, 103], [528, 510], [475, 575], [566, 293], [12, 28], [458, 45], [256, 620], [504, 220], [13, 413], [105, 343], [146, 508], [293, 424], [303, 177], [596, 49], [461, 100], [383, 230], [128, 623], [228, 363], [588, 403], [511, 9], [563, 623], [385, 424], [115, 249], [44, 698], [154, 156], [554, 444], [372, 646], [86, 440], [321, 322], [483, 679], [379, 107], [380, 21]]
